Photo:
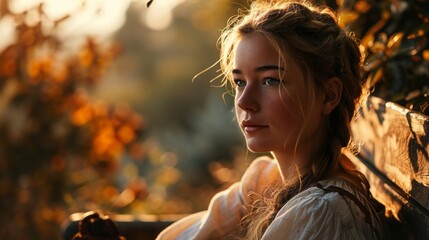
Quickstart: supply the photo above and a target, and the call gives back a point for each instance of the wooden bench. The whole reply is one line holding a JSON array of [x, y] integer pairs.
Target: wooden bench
[[393, 156]]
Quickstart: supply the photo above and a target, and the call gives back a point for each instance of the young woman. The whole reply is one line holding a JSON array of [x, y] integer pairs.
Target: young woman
[[297, 81]]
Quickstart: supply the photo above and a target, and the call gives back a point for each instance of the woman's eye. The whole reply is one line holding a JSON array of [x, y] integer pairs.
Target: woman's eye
[[239, 83], [271, 81]]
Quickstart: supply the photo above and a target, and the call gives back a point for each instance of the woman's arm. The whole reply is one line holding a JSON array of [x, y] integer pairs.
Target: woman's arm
[[226, 208]]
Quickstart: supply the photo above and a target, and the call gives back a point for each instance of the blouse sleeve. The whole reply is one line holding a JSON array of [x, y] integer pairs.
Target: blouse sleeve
[[310, 217], [227, 207]]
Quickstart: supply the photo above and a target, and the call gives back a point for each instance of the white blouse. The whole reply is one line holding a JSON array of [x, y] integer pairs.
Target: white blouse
[[312, 214]]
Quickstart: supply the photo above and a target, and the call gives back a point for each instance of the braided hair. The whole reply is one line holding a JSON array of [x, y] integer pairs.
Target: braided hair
[[311, 36]]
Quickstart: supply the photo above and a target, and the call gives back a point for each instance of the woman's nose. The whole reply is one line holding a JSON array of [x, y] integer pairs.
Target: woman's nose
[[247, 100]]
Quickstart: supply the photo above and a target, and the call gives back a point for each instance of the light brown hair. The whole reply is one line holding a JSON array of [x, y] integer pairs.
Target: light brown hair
[[311, 36]]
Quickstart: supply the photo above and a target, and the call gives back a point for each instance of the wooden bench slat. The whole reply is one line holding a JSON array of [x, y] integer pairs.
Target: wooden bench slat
[[394, 157]]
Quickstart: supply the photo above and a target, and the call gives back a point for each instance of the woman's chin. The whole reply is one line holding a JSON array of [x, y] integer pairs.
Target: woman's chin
[[257, 148]]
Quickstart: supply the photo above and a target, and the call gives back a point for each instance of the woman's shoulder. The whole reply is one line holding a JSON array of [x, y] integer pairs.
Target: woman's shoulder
[[262, 168], [316, 212], [333, 190], [261, 174], [316, 199], [337, 195]]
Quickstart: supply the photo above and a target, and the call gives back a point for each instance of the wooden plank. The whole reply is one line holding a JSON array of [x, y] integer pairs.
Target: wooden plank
[[406, 219], [394, 157]]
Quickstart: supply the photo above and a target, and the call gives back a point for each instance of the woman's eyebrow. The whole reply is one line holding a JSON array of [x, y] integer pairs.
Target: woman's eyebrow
[[236, 71], [269, 67], [262, 69]]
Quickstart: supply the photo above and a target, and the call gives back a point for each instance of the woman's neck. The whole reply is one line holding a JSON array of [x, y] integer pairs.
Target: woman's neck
[[292, 166], [296, 161]]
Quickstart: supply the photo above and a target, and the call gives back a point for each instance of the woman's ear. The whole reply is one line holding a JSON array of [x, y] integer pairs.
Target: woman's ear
[[333, 91]]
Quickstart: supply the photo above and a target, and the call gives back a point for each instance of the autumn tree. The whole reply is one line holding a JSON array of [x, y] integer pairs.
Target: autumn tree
[[53, 137]]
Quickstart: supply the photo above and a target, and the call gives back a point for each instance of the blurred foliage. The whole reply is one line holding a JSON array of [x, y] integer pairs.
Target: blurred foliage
[[53, 139], [395, 36]]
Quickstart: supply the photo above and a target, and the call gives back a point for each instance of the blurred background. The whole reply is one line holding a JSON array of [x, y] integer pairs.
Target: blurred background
[[99, 109]]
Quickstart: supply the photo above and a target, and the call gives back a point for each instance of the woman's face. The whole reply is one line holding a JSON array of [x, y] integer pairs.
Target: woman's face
[[270, 99]]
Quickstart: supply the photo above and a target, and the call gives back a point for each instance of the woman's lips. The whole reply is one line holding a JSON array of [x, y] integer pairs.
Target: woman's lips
[[253, 129], [249, 127]]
